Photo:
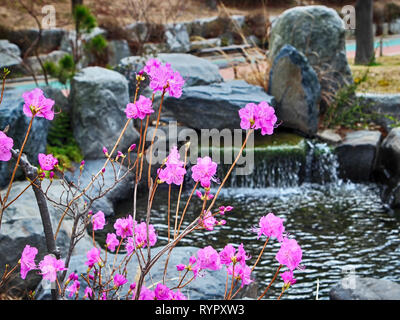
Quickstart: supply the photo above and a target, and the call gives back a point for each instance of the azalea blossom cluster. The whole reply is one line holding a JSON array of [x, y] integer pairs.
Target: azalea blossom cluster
[[131, 236]]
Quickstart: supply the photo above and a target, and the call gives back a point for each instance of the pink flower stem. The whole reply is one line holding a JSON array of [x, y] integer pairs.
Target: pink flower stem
[[270, 284], [226, 285], [186, 206], [180, 282], [154, 135], [280, 296], [259, 256], [20, 194], [232, 281], [169, 235]]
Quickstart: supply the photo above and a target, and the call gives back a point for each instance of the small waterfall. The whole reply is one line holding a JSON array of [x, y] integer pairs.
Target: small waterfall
[[287, 167]]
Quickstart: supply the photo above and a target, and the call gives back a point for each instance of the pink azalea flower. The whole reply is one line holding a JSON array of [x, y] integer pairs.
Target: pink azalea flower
[[208, 221], [180, 267], [162, 292], [119, 280], [228, 255], [174, 170], [208, 258], [112, 241], [162, 77], [88, 292], [28, 260], [124, 227], [37, 105], [130, 245], [141, 235], [140, 109], [93, 257], [261, 116], [289, 254], [287, 278], [98, 220], [6, 144], [271, 226], [146, 294], [178, 295], [49, 267], [73, 277], [73, 289], [242, 272], [47, 162], [203, 171]]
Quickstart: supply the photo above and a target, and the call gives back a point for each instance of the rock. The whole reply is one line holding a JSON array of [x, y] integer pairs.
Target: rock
[[390, 153], [11, 114], [117, 50], [54, 56], [357, 155], [317, 32], [22, 225], [177, 38], [330, 136], [98, 99], [51, 38], [211, 286], [365, 289], [394, 26], [121, 191], [206, 43], [10, 55], [215, 105], [295, 86], [384, 107]]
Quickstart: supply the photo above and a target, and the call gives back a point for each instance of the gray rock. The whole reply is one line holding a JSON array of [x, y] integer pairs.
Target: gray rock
[[296, 88], [10, 54], [98, 99], [215, 105], [390, 152], [177, 38], [50, 40], [317, 32], [211, 286], [358, 154], [138, 31], [22, 225], [117, 50], [384, 107], [11, 114], [54, 56], [61, 101], [365, 289], [206, 43], [394, 26]]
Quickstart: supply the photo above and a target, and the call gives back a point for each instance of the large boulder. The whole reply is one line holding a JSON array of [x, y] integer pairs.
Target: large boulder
[[10, 54], [295, 86], [215, 105], [318, 32], [54, 56], [22, 225], [98, 99], [358, 288], [11, 114], [390, 152], [358, 155]]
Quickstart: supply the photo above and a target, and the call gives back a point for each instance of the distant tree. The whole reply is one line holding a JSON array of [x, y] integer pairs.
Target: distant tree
[[364, 32], [74, 3]]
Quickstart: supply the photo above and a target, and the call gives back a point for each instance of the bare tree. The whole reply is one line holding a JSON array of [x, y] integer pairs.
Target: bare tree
[[364, 32]]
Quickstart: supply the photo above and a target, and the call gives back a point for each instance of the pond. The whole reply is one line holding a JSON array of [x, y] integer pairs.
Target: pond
[[339, 225]]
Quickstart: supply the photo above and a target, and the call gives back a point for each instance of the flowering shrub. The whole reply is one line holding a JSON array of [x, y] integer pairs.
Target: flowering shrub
[[105, 280]]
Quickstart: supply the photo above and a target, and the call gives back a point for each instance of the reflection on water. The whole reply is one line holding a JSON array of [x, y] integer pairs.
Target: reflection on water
[[337, 225]]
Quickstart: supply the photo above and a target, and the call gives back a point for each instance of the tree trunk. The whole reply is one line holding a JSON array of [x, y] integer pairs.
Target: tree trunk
[[74, 3], [364, 32]]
